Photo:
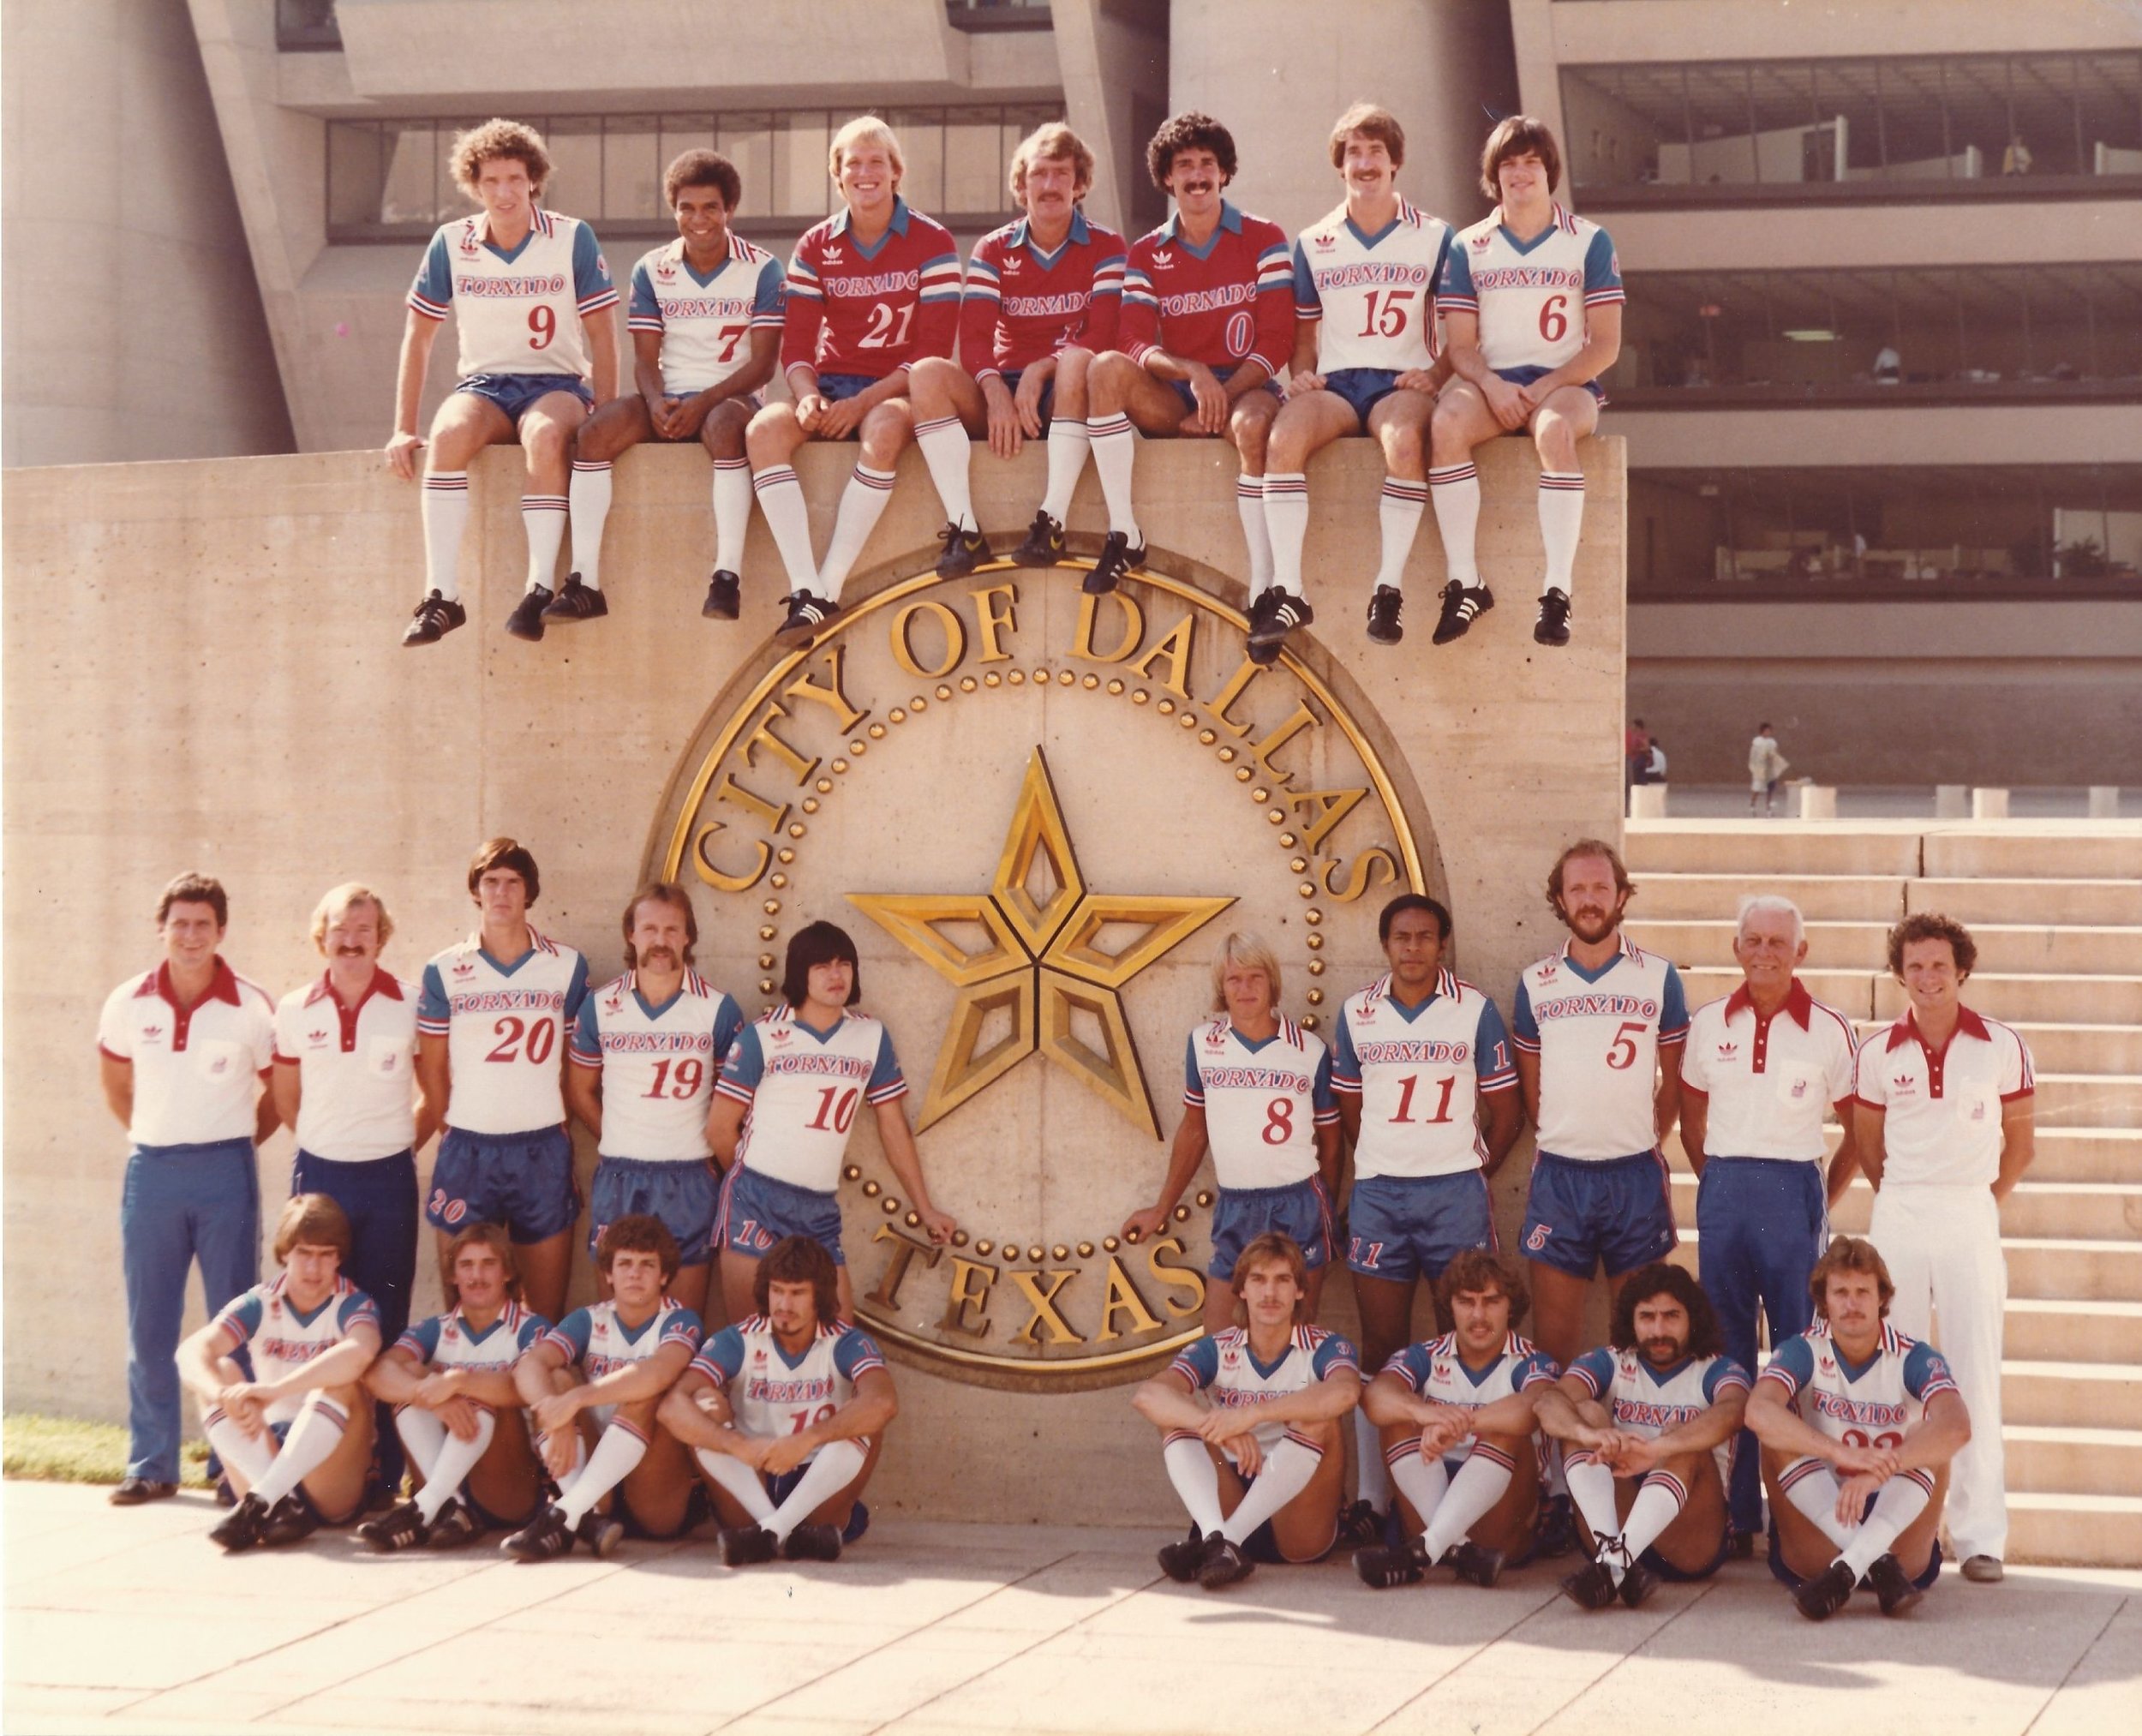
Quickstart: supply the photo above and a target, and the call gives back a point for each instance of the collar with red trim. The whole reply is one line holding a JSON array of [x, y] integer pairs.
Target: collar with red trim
[[382, 983], [1798, 1003], [222, 986], [1906, 1030]]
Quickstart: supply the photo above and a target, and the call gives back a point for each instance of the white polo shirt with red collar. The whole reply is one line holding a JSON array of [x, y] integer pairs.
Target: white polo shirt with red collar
[[356, 1067], [197, 1070], [1944, 1105], [1768, 1081]]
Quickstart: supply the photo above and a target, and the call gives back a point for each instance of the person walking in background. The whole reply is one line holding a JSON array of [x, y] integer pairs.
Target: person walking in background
[[1636, 753], [1766, 770]]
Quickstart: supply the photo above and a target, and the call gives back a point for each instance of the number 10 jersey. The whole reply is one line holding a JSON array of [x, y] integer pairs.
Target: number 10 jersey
[[806, 1087]]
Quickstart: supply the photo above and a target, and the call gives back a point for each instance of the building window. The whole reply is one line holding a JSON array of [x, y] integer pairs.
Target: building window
[[998, 14], [306, 26]]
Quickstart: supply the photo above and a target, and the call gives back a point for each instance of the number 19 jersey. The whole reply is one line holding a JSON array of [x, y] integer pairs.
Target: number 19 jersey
[[658, 1065], [504, 1027], [1598, 1036], [1263, 1101], [806, 1087]]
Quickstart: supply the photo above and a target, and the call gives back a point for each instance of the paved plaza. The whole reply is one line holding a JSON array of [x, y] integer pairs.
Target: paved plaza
[[131, 1621]]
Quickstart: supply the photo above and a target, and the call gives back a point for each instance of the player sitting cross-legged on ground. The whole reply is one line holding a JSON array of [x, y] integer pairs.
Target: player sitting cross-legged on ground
[[1250, 1422], [281, 1370], [612, 1360], [1458, 1422], [450, 1379], [705, 316], [1858, 1424], [1643, 1421], [787, 1412]]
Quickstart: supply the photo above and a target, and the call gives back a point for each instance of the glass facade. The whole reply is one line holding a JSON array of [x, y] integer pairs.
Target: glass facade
[[306, 26]]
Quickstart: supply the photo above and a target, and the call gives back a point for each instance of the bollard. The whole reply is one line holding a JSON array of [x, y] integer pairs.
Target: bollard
[[1989, 804], [1647, 801], [2105, 801], [1818, 802], [1951, 801]]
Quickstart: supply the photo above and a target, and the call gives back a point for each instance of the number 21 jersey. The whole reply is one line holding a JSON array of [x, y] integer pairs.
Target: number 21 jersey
[[504, 1027], [806, 1087]]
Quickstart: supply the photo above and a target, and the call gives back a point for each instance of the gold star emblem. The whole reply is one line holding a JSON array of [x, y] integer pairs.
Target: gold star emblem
[[1041, 962]]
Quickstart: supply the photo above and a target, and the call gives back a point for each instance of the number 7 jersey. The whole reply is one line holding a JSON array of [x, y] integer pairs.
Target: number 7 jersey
[[806, 1087], [505, 1032]]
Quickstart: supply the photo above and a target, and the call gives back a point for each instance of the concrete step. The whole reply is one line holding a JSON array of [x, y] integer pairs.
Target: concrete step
[[2072, 1395], [2064, 1154], [2080, 1211], [2041, 1329], [2090, 1100], [1850, 991], [1741, 847], [2020, 998], [1821, 897], [2086, 903], [2083, 1461], [2075, 1530], [2068, 1269], [2014, 947], [2108, 851]]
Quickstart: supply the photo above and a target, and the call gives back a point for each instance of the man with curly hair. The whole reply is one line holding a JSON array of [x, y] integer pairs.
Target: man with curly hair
[[525, 286]]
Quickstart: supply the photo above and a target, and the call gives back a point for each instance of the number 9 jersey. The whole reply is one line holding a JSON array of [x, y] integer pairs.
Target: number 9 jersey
[[517, 313], [806, 1087], [505, 1032]]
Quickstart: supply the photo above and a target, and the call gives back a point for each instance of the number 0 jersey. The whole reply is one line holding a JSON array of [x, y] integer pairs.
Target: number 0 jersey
[[658, 1065], [1598, 1036], [504, 1027], [278, 1340], [1226, 1369], [1263, 1101], [705, 323], [806, 1087], [517, 312], [1531, 297], [1434, 1370], [768, 1394], [1874, 1405], [1419, 1073], [1372, 295]]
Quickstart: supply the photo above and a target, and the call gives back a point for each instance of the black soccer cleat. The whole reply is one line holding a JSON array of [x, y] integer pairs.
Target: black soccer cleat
[[1892, 1586], [1224, 1564], [1386, 615], [401, 1526], [812, 1544], [576, 602], [455, 1528], [1359, 1525], [1463, 605], [1553, 628], [1558, 1530], [1591, 1587], [806, 614], [1828, 1592], [240, 1528], [1118, 558], [526, 622], [435, 617], [746, 1546], [600, 1533], [1475, 1563], [291, 1520], [1637, 1584], [1384, 1567], [543, 1538], [1180, 1560], [963, 551], [725, 598], [1044, 546], [1282, 615]]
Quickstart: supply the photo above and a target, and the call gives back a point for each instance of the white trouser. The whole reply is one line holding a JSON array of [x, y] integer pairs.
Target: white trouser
[[1942, 1245]]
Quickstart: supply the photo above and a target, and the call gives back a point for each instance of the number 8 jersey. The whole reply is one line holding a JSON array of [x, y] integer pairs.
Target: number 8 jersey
[[806, 1087], [517, 312], [504, 1027], [1598, 1036], [1263, 1101]]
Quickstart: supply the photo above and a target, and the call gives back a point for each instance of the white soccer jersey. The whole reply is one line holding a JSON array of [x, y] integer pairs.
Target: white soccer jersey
[[504, 1027], [705, 323], [1434, 1370], [517, 312], [658, 1065], [601, 1343], [278, 1340], [1770, 1081], [356, 1067], [1642, 1401], [1372, 295], [1877, 1405], [806, 1087], [1419, 1073], [1226, 1370], [448, 1341], [1598, 1036], [1263, 1101], [1531, 297], [770, 1395]]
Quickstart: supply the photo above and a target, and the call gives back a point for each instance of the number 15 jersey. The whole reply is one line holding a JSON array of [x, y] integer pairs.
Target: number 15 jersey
[[504, 1027], [806, 1087], [1598, 1036]]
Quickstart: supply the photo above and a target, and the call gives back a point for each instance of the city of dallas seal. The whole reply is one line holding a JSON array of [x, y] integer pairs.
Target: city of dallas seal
[[1039, 814]]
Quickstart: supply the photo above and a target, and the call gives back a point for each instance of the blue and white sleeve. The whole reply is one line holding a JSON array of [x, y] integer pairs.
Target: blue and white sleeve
[[433, 290]]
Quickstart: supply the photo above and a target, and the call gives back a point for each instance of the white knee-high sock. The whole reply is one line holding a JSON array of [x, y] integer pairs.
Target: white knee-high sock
[[1398, 514], [1811, 1486], [1561, 522], [1068, 444], [1286, 501], [780, 498], [315, 1434], [422, 1435], [733, 512], [543, 516], [575, 1472], [1249, 507], [832, 1469], [1422, 1481], [945, 450], [1477, 1487], [445, 520], [1196, 1479], [862, 503], [1660, 1498], [456, 1458], [251, 1456], [1592, 1487], [1287, 1469], [622, 1447], [1371, 1476], [1455, 494], [589, 494], [1115, 450], [1902, 1500], [739, 1480]]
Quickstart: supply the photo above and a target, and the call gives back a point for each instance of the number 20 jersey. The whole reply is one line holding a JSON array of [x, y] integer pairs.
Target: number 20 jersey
[[1886, 1398], [506, 1030], [805, 1088]]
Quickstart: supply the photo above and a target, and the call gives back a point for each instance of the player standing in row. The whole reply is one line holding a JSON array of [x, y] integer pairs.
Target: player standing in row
[[1419, 1060], [871, 292], [491, 1034], [646, 1051], [1761, 1068], [1207, 326], [525, 286], [1257, 1089], [1042, 298], [1642, 1420], [705, 316], [784, 1106], [1531, 301], [1249, 1422], [1366, 361]]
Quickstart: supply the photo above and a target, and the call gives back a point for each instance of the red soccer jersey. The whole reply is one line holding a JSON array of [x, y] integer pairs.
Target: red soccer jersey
[[1222, 306], [1022, 305], [872, 312]]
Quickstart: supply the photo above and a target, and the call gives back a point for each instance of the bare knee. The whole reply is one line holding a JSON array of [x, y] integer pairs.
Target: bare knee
[[1402, 446], [1110, 380], [1556, 440], [1448, 438]]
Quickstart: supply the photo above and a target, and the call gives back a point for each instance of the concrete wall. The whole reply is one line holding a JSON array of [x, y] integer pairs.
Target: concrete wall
[[134, 327], [200, 671]]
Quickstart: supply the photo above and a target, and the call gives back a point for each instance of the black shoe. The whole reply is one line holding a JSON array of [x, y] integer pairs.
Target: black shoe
[[1591, 1587], [1893, 1587], [398, 1527], [1118, 558], [963, 551], [1553, 628], [291, 1520], [526, 622], [1224, 1564], [576, 602], [1463, 605], [1044, 546], [746, 1546], [132, 1491], [812, 1544], [1475, 1564], [225, 1495], [542, 1538], [240, 1528], [725, 594], [455, 1528], [806, 614], [435, 617], [1828, 1592], [1386, 615], [1282, 615], [1181, 1560], [1636, 1584], [600, 1533], [1383, 1566], [1558, 1531], [1359, 1525]]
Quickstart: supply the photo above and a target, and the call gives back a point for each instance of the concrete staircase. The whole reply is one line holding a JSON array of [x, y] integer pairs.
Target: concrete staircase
[[2056, 910]]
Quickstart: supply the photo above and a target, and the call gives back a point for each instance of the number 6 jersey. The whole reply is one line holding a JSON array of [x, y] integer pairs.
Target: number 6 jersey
[[1531, 296], [517, 312], [806, 1087], [504, 1027]]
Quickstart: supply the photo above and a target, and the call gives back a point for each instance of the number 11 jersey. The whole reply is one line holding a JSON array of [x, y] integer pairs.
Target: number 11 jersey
[[806, 1087]]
